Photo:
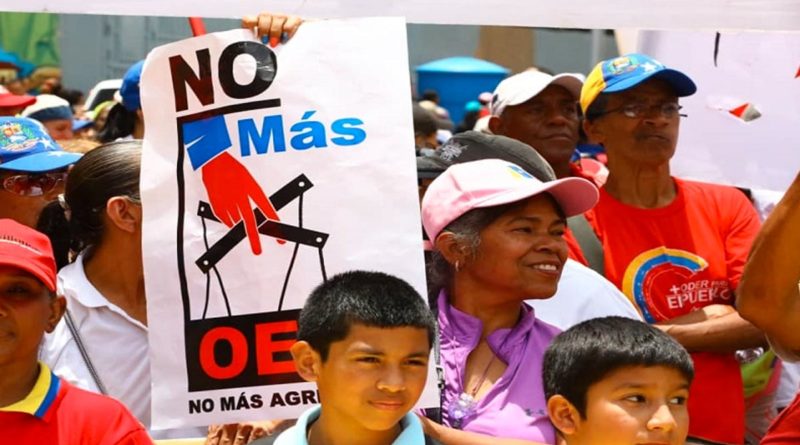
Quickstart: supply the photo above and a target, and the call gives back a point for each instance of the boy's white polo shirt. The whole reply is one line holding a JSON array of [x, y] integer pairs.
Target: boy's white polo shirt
[[297, 435]]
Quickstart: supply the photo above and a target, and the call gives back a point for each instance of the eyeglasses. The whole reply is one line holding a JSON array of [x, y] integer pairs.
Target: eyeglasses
[[33, 184], [669, 110]]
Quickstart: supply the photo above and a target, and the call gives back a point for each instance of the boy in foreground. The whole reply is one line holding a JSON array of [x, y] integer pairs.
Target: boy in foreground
[[365, 339], [617, 381]]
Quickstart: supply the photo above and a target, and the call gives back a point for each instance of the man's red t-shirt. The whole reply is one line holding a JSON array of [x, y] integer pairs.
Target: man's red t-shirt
[[575, 251], [56, 412], [672, 260]]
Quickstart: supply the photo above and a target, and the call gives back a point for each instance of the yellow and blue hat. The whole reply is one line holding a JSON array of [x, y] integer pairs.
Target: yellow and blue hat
[[625, 72]]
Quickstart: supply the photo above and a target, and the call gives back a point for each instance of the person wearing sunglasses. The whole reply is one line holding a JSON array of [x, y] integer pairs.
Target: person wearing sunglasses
[[33, 168], [676, 248]]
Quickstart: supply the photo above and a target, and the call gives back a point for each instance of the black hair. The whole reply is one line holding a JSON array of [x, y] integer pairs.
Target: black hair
[[587, 352], [52, 223], [424, 121], [373, 299], [119, 124], [74, 97], [431, 95], [107, 171], [468, 122]]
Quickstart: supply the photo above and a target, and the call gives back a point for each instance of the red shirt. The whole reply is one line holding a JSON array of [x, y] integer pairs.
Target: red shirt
[[575, 251], [672, 260], [785, 429], [56, 412]]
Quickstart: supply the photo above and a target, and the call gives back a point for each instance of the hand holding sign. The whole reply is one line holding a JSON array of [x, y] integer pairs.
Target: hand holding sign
[[273, 28], [230, 189]]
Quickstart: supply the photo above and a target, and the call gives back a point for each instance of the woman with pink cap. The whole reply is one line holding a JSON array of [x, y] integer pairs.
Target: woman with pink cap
[[497, 236]]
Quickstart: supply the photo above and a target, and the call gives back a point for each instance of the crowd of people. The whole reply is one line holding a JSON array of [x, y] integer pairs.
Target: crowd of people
[[565, 306]]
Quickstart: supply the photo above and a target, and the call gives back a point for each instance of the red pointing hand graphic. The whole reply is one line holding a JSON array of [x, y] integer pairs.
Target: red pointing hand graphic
[[231, 193], [231, 188]]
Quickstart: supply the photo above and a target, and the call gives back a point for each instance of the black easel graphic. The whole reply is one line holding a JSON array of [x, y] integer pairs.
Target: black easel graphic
[[297, 234]]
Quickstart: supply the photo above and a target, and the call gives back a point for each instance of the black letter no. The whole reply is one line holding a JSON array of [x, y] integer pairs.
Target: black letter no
[[266, 68]]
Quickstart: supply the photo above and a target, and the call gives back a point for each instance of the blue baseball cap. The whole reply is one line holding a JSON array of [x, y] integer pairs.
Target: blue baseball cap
[[625, 72], [26, 146], [80, 124], [129, 91]]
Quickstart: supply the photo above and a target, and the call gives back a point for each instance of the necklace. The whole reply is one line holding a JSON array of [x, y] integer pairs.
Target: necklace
[[465, 407]]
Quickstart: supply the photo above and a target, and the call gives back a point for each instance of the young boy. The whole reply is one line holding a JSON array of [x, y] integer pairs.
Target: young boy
[[36, 406], [365, 339], [617, 381]]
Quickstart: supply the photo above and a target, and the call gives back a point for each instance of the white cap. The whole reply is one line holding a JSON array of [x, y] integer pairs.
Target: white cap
[[48, 107], [521, 87]]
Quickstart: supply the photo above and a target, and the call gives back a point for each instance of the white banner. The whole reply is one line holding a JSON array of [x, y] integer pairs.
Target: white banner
[[742, 123], [322, 126], [652, 14]]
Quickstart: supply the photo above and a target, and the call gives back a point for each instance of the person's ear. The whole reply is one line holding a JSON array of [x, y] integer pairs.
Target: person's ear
[[563, 415], [307, 361], [124, 213], [58, 305], [495, 125], [454, 252], [594, 131]]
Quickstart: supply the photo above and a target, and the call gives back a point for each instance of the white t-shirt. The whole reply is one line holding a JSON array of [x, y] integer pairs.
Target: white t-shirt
[[582, 294], [116, 344]]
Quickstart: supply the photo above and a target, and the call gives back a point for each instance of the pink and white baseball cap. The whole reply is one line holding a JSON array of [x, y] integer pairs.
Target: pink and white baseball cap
[[494, 182]]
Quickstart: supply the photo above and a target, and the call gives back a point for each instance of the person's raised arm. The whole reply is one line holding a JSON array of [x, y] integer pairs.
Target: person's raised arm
[[768, 295]]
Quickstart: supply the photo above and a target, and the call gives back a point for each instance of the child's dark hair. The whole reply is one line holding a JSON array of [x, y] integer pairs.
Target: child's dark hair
[[372, 299], [587, 352]]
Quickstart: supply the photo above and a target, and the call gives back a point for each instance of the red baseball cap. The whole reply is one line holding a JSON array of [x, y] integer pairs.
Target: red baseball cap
[[24, 248], [9, 99]]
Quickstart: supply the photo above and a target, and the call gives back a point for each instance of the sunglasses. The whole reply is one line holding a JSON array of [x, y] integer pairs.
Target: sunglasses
[[33, 184]]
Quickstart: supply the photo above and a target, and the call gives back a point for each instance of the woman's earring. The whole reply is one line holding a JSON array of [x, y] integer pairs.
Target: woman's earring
[[458, 266]]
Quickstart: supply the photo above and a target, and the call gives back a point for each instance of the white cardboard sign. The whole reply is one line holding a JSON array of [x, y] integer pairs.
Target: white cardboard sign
[[321, 126], [776, 15]]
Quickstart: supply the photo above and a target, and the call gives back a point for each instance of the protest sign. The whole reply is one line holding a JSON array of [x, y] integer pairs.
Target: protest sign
[[774, 15], [322, 127]]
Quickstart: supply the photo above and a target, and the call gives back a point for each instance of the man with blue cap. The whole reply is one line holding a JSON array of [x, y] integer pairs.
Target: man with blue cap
[[54, 113], [676, 248], [33, 168]]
